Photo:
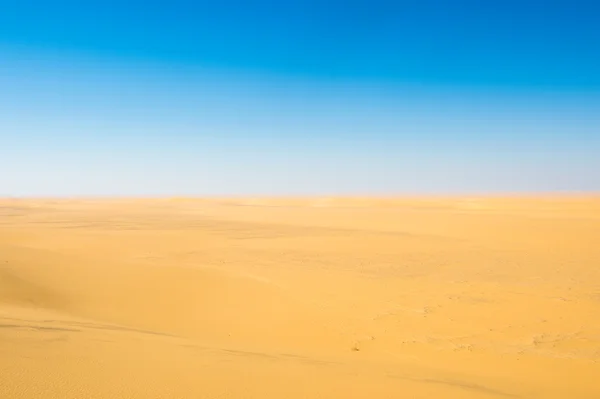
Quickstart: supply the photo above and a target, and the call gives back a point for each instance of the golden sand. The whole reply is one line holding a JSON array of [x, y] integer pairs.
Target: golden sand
[[300, 298]]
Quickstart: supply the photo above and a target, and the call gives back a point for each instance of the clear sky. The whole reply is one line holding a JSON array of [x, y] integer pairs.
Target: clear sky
[[298, 97]]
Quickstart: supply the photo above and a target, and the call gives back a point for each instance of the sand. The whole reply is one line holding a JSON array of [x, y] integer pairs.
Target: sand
[[300, 298]]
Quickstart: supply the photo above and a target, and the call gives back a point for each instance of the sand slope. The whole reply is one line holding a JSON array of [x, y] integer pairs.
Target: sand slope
[[300, 298]]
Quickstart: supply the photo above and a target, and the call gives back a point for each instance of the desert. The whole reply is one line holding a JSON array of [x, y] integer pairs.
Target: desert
[[452, 297]]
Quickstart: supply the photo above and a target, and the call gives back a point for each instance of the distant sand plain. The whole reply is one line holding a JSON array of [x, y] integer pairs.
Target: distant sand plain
[[300, 298]]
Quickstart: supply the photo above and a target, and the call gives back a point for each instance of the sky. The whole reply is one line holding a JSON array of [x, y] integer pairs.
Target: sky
[[355, 97]]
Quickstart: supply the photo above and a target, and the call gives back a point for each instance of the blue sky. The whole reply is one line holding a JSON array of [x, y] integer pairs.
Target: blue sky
[[298, 97]]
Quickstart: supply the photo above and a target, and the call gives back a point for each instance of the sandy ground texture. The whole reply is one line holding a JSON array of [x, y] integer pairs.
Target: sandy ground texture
[[300, 298]]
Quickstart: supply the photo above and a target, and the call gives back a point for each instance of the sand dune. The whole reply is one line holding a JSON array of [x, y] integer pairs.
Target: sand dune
[[300, 298]]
